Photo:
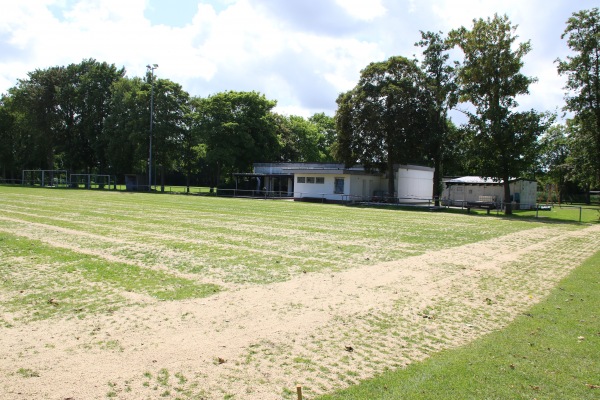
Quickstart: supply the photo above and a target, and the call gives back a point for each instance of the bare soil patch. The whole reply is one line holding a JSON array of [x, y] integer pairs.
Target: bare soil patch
[[321, 330]]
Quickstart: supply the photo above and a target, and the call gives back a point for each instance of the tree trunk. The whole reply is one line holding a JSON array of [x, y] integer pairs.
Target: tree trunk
[[588, 198], [437, 175], [218, 175], [162, 178], [390, 178], [507, 202]]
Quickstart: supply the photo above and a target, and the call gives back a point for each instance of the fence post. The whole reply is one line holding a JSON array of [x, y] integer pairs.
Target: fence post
[[299, 391]]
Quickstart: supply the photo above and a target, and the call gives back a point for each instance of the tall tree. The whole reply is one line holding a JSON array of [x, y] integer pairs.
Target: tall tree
[[193, 151], [327, 134], [171, 126], [582, 155], [66, 108], [382, 121], [554, 157], [94, 93], [439, 80], [126, 128], [36, 99], [503, 141], [238, 130], [300, 139], [8, 138], [19, 147], [582, 70], [83, 98]]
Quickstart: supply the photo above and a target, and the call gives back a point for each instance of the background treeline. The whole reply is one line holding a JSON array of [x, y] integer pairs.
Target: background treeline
[[91, 118]]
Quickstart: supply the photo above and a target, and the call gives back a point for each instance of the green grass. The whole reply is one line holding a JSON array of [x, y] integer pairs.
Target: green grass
[[27, 373], [567, 213], [239, 240], [45, 281], [75, 252], [550, 352]]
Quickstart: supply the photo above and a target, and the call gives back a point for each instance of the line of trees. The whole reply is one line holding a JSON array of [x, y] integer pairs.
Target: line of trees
[[91, 118], [398, 111], [580, 137]]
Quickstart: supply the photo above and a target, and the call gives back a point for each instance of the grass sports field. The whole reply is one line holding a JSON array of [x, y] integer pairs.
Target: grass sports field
[[134, 296]]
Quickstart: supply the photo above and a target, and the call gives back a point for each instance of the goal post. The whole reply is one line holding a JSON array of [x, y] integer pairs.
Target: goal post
[[45, 177], [90, 181]]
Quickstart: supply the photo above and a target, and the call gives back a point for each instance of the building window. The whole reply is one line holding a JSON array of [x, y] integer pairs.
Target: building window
[[300, 179], [310, 179], [320, 180], [339, 186]]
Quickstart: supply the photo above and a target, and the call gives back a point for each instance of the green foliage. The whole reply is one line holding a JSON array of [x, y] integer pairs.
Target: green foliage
[[238, 130], [440, 82], [9, 138], [502, 142], [126, 128], [554, 165], [303, 140], [327, 134], [583, 92], [382, 121], [171, 132], [547, 353], [65, 109]]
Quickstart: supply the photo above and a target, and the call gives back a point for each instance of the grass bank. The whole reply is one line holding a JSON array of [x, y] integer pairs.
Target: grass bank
[[550, 352]]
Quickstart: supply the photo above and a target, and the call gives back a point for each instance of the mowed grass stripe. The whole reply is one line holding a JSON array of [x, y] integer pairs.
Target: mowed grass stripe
[[243, 241], [298, 217], [40, 281], [185, 255], [271, 216]]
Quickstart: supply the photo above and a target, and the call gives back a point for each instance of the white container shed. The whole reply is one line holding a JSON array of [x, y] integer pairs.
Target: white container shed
[[459, 191], [414, 184]]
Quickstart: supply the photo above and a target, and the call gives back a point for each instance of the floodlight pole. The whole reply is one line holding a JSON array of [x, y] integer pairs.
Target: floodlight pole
[[151, 68]]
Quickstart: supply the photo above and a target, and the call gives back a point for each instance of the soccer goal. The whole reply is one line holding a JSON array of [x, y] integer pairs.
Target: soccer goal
[[90, 181], [45, 177]]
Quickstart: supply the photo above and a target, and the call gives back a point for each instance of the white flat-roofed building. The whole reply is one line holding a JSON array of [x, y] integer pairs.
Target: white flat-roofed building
[[468, 189], [338, 183]]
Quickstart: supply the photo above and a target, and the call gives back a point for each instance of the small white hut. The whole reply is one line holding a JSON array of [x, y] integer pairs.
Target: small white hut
[[459, 191]]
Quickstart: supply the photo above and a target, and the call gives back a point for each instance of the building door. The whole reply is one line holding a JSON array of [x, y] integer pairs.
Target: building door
[[364, 189], [339, 186]]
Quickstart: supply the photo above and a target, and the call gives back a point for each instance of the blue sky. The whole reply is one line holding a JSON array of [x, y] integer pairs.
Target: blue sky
[[302, 53], [177, 13]]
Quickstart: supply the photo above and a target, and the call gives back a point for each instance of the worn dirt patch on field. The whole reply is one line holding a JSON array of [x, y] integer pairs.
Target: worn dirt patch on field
[[321, 330]]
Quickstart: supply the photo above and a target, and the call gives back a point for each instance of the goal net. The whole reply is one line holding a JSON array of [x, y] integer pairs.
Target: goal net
[[44, 177], [90, 181]]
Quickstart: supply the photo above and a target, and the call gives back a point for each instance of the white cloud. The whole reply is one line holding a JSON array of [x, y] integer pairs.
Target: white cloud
[[364, 10], [302, 53]]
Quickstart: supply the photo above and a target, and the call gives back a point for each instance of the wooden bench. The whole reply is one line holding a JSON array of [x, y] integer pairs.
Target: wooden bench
[[485, 203]]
